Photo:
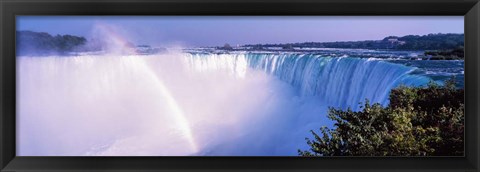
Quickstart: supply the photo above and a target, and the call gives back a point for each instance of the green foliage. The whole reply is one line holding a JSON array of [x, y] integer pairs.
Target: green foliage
[[419, 121], [457, 53], [38, 43], [432, 42], [410, 42], [68, 42], [226, 47]]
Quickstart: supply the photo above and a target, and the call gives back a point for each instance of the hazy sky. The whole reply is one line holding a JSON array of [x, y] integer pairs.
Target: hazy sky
[[216, 30]]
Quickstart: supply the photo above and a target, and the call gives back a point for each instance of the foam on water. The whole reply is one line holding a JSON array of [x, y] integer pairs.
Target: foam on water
[[189, 103]]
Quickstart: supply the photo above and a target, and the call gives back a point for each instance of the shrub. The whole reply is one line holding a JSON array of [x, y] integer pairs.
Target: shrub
[[419, 121]]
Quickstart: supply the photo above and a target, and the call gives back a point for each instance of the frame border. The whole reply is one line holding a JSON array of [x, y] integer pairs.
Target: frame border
[[470, 9]]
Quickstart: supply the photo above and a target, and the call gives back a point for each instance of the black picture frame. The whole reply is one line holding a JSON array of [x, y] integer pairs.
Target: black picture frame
[[11, 8]]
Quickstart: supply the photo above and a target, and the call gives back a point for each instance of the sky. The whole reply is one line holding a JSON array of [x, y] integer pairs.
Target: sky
[[198, 31]]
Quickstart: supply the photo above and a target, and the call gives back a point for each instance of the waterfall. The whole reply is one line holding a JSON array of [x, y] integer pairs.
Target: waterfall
[[339, 82], [189, 103]]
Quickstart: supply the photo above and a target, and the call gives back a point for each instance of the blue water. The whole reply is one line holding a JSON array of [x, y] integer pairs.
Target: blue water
[[338, 81], [201, 103], [437, 70]]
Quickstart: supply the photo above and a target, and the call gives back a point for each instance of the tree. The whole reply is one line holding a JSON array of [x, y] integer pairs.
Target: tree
[[227, 47], [439, 41], [41, 43], [417, 122]]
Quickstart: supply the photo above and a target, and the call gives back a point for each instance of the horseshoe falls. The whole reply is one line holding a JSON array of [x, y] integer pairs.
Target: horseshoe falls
[[340, 82], [191, 104]]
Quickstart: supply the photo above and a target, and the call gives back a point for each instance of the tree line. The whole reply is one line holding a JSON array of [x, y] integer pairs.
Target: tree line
[[410, 42], [35, 43], [419, 121]]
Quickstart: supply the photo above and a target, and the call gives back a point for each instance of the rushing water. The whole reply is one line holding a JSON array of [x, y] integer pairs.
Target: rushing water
[[194, 103]]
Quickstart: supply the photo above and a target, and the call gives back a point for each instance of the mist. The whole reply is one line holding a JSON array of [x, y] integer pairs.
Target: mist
[[156, 105], [175, 103]]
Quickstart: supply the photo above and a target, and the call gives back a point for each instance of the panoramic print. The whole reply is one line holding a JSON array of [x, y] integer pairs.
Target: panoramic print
[[240, 86]]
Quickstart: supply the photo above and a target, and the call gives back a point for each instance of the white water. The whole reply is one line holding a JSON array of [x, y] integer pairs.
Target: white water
[[184, 104]]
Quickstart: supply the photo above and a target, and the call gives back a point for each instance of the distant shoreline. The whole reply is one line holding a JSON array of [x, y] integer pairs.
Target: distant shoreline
[[438, 41], [337, 53], [426, 47]]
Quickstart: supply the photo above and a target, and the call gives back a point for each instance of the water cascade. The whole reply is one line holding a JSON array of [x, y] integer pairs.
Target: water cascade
[[189, 103]]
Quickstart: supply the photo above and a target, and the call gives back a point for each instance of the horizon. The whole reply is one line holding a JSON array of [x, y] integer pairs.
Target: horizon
[[258, 43], [210, 31], [103, 94]]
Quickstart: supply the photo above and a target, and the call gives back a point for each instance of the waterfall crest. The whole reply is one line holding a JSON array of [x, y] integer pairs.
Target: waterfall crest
[[339, 82], [189, 103]]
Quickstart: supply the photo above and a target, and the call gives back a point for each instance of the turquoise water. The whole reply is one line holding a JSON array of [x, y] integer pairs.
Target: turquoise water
[[201, 103], [342, 81]]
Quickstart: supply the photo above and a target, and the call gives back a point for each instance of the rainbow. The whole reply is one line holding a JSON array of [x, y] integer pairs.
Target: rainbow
[[113, 41], [118, 44], [179, 116]]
